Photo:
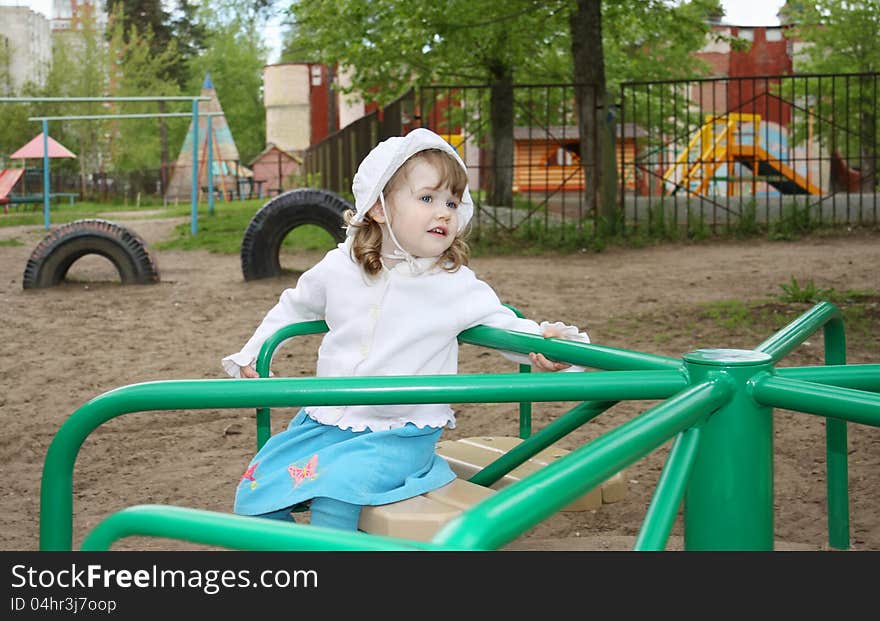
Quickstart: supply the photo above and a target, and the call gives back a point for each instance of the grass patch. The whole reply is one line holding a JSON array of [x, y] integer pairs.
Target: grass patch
[[223, 231], [860, 310], [808, 293], [64, 213], [11, 242]]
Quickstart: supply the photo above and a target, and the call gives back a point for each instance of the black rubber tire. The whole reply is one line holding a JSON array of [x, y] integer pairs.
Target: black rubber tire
[[271, 224], [52, 258]]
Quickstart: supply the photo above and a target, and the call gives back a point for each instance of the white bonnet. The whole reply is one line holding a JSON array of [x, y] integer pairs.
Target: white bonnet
[[382, 162]]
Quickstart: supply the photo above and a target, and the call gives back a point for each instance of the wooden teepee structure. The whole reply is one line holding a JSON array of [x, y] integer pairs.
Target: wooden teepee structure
[[227, 167]]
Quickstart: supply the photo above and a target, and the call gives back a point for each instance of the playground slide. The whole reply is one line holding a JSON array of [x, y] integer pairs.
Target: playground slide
[[774, 171], [738, 138], [8, 178]]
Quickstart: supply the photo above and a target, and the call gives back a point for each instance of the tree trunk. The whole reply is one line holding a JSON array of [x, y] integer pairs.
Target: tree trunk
[[594, 118], [501, 117]]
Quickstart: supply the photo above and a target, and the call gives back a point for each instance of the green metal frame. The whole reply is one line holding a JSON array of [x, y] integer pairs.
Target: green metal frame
[[717, 408]]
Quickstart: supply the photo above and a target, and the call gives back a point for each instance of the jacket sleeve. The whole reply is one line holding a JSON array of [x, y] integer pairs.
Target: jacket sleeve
[[305, 302], [484, 308]]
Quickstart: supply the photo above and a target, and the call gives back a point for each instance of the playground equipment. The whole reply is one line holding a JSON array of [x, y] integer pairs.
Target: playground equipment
[[40, 147], [717, 407], [44, 120], [209, 154], [730, 140], [8, 178], [57, 252], [271, 224]]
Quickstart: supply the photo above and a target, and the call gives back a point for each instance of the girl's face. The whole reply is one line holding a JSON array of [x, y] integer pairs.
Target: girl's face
[[424, 213]]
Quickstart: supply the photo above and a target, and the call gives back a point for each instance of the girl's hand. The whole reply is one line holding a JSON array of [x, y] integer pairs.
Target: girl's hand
[[249, 372], [540, 362]]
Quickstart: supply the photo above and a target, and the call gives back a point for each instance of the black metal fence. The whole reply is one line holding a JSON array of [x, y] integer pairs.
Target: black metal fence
[[119, 186], [740, 153], [692, 156]]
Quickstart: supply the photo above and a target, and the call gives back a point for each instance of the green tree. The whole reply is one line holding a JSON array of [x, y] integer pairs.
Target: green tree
[[391, 45], [80, 68], [151, 16], [140, 70], [841, 37], [234, 56]]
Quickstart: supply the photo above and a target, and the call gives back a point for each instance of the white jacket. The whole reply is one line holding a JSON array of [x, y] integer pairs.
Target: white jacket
[[396, 323]]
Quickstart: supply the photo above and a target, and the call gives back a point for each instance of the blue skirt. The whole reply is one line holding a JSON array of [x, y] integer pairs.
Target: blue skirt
[[311, 460]]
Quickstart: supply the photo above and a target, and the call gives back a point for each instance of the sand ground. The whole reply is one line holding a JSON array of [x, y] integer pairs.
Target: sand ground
[[65, 345]]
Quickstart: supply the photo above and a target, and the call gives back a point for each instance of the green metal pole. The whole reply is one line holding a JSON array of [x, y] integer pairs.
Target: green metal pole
[[562, 426], [232, 531], [729, 498], [791, 336], [858, 376], [669, 491], [588, 355], [837, 468], [56, 492], [855, 406], [511, 511], [525, 408], [264, 362]]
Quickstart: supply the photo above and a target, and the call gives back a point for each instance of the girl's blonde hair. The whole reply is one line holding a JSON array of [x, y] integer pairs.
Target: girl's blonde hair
[[367, 243]]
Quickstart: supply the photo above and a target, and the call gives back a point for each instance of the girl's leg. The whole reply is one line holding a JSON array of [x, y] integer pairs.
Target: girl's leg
[[282, 514], [332, 513]]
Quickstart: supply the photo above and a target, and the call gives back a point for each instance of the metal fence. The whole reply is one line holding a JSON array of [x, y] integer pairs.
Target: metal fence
[[702, 155], [745, 153], [117, 186]]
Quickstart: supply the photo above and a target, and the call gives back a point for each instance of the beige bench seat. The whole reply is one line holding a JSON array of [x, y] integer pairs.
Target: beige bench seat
[[421, 517]]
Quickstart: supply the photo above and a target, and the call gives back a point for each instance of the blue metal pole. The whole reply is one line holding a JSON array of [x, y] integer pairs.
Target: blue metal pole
[[194, 218], [46, 173], [210, 168]]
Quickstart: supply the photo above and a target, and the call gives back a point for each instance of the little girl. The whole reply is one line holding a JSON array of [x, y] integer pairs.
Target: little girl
[[395, 295]]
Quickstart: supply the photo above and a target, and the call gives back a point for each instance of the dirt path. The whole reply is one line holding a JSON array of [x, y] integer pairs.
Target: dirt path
[[66, 345]]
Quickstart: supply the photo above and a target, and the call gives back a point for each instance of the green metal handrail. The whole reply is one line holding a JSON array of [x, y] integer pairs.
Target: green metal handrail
[[720, 412], [234, 531], [596, 356], [857, 406], [517, 507], [825, 316], [669, 492], [56, 498], [858, 376], [514, 509]]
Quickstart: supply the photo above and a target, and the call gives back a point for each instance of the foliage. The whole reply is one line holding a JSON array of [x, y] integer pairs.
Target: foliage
[[150, 23], [5, 70], [391, 45], [235, 57], [808, 293], [794, 222], [841, 37], [385, 47], [142, 69], [80, 68]]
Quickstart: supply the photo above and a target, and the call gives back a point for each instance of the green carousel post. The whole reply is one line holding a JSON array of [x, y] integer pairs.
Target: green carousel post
[[729, 498]]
